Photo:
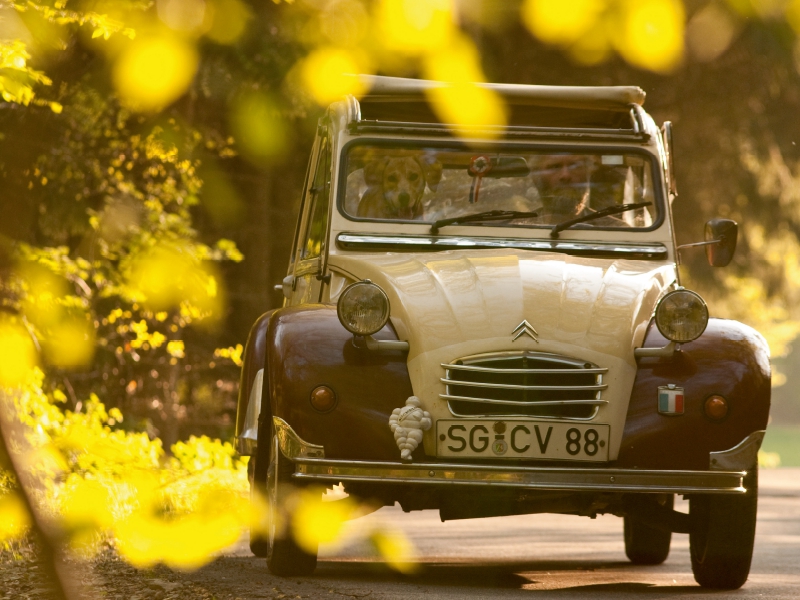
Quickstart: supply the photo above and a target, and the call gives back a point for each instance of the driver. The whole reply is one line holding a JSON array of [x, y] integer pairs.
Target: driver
[[564, 184], [573, 185]]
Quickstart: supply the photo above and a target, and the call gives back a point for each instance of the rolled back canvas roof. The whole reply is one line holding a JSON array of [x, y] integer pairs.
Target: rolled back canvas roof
[[588, 97]]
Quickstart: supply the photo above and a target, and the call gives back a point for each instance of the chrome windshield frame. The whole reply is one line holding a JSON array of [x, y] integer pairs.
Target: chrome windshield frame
[[411, 242]]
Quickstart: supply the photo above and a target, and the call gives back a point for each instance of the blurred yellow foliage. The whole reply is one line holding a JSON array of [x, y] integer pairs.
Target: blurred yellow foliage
[[415, 27], [70, 343], [396, 549], [176, 349], [259, 130], [652, 33], [117, 485], [462, 102], [228, 20], [561, 21], [166, 276], [326, 73], [234, 353], [344, 22], [186, 542], [14, 517], [769, 460], [155, 71], [648, 34], [17, 353], [183, 15], [315, 522]]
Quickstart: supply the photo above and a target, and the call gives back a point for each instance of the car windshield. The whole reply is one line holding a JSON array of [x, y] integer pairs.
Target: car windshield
[[434, 184]]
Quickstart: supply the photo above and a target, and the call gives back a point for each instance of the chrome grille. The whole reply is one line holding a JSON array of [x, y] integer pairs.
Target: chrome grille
[[531, 384]]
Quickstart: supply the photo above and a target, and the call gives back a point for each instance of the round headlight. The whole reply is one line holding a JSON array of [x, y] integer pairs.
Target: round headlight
[[681, 316], [363, 308]]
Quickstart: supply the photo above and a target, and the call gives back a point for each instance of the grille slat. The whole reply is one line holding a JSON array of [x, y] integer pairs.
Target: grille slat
[[534, 384], [518, 403], [510, 386], [598, 371]]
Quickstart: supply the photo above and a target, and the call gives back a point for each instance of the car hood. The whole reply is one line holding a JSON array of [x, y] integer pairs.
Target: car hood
[[460, 297]]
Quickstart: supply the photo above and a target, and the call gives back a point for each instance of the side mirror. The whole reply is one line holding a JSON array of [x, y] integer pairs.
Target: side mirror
[[721, 236]]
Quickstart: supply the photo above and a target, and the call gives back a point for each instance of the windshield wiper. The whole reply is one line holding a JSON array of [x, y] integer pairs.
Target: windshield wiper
[[611, 210], [489, 215]]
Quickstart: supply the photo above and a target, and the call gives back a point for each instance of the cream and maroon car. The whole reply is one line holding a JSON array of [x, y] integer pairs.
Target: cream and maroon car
[[491, 322]]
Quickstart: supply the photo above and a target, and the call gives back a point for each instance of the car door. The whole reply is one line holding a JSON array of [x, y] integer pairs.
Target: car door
[[311, 248]]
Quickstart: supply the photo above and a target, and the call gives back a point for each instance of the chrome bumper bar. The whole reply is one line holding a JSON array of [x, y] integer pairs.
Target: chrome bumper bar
[[540, 478]]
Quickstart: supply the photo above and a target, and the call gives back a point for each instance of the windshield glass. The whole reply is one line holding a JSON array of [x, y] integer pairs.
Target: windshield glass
[[430, 184]]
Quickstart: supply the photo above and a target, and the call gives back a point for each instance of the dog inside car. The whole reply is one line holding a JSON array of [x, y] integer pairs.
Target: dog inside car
[[395, 186]]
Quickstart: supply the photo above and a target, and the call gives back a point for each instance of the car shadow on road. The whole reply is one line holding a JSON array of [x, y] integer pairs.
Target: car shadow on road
[[502, 575], [570, 579]]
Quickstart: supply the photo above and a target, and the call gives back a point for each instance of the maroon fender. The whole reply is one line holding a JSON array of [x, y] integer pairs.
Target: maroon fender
[[730, 359], [308, 347], [253, 360]]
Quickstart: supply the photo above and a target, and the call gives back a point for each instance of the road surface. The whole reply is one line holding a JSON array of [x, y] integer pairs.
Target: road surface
[[534, 556]]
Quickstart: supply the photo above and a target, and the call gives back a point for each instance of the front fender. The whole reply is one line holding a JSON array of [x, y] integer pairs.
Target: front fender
[[308, 347], [252, 365], [730, 359]]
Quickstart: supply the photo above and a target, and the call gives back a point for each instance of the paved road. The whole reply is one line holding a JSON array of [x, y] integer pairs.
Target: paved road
[[535, 556]]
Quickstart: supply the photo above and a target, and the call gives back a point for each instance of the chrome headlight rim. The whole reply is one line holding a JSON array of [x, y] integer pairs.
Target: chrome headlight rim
[[343, 298], [659, 316]]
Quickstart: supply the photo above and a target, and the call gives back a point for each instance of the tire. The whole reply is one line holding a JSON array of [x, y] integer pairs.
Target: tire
[[257, 474], [723, 532], [284, 557], [646, 545]]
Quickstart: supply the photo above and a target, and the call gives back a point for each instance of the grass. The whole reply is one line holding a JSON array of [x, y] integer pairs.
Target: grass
[[785, 440]]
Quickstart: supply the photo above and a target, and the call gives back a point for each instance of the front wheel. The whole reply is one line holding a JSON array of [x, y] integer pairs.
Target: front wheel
[[284, 556], [646, 545], [723, 533]]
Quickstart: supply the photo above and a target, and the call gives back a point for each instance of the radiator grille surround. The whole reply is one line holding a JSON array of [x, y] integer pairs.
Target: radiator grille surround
[[526, 384]]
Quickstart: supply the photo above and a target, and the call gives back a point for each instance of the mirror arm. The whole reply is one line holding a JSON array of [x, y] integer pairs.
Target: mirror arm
[[708, 243]]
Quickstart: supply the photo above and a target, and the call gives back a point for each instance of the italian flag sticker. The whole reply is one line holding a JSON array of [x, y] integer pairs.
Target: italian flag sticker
[[670, 400]]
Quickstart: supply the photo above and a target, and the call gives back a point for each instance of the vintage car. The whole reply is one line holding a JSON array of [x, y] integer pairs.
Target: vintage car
[[490, 321]]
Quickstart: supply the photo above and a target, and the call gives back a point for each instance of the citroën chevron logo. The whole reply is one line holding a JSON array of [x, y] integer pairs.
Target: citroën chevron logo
[[525, 328]]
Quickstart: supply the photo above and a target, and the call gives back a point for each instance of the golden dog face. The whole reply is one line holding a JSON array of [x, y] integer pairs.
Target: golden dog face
[[396, 186], [403, 185]]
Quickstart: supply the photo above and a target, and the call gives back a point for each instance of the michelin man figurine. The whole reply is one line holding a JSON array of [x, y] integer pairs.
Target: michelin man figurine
[[408, 423]]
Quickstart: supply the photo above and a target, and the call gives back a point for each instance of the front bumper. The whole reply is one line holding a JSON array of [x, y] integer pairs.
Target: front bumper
[[536, 478]]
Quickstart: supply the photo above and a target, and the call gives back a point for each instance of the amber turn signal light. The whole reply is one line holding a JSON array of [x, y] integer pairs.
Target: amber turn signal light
[[716, 408], [323, 398]]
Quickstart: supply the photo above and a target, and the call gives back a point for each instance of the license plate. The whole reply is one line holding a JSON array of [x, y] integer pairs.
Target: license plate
[[488, 438]]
